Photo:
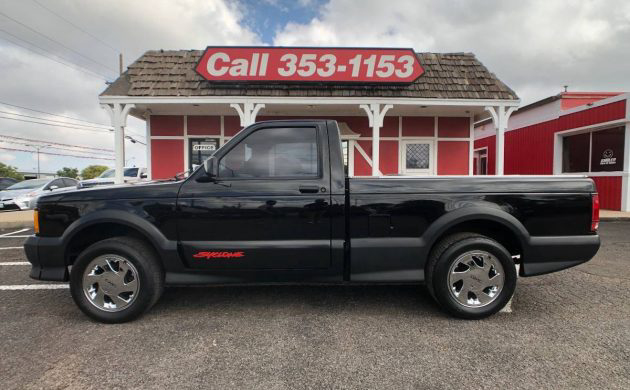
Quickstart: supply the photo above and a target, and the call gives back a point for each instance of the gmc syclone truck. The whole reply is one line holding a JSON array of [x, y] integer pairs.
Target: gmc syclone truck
[[273, 205]]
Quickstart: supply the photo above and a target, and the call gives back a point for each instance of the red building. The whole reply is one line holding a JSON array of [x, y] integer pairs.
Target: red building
[[570, 133], [400, 112]]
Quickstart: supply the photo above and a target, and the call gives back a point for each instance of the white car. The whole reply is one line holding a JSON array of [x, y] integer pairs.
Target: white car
[[23, 195], [131, 174]]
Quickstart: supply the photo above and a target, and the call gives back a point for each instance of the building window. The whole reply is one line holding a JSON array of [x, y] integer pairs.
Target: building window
[[276, 152], [199, 149], [575, 152], [598, 151], [481, 162], [417, 157]]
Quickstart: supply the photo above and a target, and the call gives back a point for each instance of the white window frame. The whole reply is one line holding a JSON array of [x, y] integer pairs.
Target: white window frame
[[403, 157]]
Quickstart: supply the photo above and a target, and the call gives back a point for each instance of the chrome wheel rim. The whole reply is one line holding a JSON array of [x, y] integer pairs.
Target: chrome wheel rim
[[111, 283], [476, 279]]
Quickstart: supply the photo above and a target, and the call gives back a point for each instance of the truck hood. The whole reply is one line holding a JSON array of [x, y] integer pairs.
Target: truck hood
[[144, 190]]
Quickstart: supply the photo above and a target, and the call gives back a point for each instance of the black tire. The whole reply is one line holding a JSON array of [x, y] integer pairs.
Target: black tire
[[447, 251], [150, 273]]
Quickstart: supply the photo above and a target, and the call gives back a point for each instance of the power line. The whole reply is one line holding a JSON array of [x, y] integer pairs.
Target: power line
[[67, 149], [68, 127], [67, 117], [77, 27], [56, 154], [52, 147], [75, 67], [52, 124], [55, 121], [134, 141], [57, 42], [56, 143], [50, 113]]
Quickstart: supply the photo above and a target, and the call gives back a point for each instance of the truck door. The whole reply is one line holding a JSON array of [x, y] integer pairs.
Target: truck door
[[268, 207]]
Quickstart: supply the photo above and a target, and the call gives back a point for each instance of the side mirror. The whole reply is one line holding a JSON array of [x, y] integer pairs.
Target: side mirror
[[52, 188], [143, 176], [211, 167]]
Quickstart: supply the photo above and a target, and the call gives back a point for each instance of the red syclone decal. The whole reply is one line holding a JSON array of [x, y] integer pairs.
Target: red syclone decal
[[218, 255]]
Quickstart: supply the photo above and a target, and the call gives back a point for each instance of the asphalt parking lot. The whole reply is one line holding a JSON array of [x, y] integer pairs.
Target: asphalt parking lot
[[567, 330]]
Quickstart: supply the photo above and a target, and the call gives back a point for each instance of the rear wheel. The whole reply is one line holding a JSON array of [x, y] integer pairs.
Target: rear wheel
[[471, 276], [116, 280]]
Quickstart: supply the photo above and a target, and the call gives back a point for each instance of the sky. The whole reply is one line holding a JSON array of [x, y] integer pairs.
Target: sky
[[57, 55]]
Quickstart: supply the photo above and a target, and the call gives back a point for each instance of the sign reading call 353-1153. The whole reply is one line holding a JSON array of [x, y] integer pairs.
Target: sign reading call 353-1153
[[287, 64]]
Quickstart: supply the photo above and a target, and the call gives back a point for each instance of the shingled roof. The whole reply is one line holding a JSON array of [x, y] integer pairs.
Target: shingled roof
[[171, 73]]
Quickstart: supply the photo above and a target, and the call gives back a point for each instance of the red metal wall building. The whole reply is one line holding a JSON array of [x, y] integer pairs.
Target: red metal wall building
[[529, 150]]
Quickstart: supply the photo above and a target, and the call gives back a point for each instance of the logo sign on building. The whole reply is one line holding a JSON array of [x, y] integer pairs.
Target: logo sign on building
[[608, 158], [304, 65]]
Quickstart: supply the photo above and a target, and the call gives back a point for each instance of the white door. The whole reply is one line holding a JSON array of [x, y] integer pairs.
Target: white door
[[417, 157]]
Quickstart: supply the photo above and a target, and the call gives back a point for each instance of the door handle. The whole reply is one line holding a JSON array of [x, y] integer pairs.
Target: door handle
[[309, 189]]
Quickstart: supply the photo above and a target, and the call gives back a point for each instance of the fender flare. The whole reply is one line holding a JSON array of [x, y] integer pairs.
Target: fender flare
[[148, 230], [475, 213]]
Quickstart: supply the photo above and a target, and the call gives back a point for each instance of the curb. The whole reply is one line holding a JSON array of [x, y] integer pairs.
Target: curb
[[613, 219]]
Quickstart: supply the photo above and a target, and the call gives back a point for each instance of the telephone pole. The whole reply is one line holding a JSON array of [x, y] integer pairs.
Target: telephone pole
[[38, 147]]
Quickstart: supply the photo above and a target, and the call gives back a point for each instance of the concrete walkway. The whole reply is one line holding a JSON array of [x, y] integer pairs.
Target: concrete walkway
[[15, 219], [609, 215]]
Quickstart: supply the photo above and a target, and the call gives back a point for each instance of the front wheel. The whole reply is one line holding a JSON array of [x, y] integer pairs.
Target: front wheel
[[471, 276], [116, 280]]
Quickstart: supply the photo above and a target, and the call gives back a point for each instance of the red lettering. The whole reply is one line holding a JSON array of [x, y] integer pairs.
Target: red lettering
[[218, 255]]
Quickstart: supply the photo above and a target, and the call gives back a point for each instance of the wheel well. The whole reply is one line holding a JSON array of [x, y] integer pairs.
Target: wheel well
[[492, 229], [99, 232]]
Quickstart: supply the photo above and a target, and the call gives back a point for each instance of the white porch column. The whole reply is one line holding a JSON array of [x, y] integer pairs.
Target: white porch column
[[118, 116], [375, 115], [247, 112], [500, 117]]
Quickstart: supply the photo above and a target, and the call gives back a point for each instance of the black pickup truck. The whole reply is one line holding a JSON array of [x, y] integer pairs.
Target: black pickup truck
[[273, 205]]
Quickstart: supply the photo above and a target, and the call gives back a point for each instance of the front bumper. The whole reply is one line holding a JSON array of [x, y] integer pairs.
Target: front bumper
[[549, 254], [46, 256], [16, 204]]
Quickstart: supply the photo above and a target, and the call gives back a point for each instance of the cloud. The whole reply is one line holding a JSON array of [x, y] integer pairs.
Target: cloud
[[133, 27], [536, 47], [7, 157]]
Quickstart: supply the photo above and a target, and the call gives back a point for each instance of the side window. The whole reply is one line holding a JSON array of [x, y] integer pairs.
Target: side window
[[69, 182], [277, 152], [56, 182]]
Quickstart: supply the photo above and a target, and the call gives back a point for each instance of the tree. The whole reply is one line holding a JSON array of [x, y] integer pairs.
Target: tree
[[10, 171], [91, 171], [68, 172]]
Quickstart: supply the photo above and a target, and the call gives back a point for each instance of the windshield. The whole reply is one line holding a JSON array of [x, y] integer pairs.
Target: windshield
[[29, 184], [131, 172], [108, 173], [128, 172]]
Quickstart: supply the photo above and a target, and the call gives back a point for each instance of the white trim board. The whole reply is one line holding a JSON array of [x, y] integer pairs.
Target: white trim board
[[306, 100]]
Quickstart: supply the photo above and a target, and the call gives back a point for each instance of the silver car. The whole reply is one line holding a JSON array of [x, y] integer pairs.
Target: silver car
[[23, 195], [130, 174]]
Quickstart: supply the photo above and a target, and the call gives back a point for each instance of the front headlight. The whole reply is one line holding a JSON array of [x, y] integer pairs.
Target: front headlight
[[23, 201]]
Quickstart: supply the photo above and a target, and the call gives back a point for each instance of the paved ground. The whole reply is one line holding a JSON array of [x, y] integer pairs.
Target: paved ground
[[568, 330], [16, 219]]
